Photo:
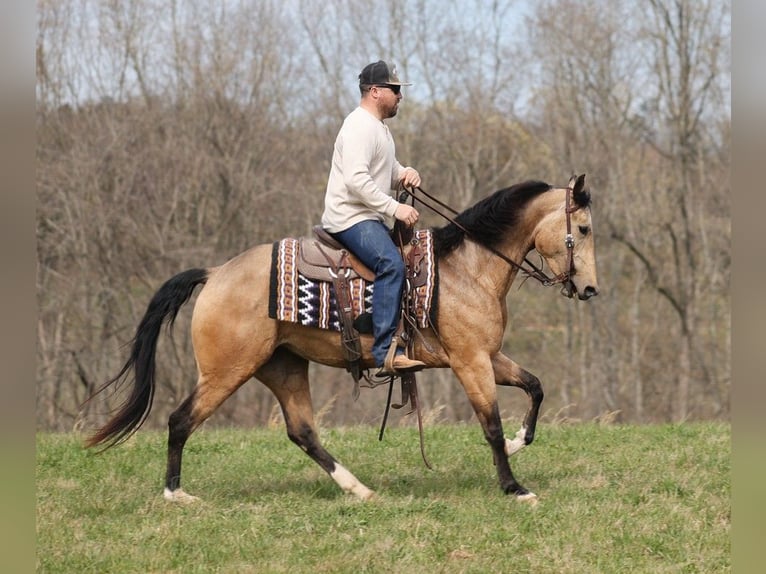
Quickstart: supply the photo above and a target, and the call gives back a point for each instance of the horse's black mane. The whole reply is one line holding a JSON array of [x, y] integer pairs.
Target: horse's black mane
[[487, 220]]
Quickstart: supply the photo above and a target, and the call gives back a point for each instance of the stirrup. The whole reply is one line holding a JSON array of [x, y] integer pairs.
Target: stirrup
[[388, 362]]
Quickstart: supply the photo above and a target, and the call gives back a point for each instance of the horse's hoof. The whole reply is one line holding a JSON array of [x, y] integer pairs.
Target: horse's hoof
[[180, 496], [368, 495], [529, 498]]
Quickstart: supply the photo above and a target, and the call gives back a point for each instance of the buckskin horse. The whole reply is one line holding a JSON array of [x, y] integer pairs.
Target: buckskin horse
[[479, 254]]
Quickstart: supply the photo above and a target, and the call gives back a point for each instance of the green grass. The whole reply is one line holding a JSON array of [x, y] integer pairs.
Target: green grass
[[612, 499]]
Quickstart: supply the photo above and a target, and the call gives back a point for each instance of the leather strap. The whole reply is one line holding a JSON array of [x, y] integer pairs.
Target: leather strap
[[349, 336]]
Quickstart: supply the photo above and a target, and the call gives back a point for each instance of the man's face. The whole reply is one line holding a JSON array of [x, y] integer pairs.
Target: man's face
[[388, 100]]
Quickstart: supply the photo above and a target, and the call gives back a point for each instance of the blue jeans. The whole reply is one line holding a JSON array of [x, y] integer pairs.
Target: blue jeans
[[370, 241]]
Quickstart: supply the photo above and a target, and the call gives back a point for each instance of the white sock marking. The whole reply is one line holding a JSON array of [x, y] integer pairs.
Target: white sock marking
[[178, 495], [515, 445], [349, 483]]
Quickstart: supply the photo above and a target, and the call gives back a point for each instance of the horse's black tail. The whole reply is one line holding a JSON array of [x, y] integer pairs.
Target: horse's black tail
[[164, 306]]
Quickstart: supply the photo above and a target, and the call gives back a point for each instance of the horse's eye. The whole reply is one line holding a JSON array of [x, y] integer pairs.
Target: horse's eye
[[584, 229]]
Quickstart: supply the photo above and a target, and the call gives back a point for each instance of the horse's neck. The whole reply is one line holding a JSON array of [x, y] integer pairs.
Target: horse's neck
[[516, 245], [521, 239], [492, 272]]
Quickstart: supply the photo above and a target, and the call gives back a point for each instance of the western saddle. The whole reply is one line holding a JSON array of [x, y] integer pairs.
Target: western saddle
[[323, 258]]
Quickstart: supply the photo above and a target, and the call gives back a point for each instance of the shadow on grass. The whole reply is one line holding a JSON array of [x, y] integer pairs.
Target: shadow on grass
[[412, 483]]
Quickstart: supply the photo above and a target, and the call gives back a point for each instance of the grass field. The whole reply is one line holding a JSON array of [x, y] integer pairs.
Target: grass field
[[612, 499]]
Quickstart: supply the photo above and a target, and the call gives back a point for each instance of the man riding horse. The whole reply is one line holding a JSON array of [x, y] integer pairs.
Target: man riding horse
[[479, 253], [358, 201]]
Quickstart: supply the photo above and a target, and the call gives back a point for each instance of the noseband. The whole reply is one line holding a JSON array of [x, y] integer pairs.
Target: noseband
[[531, 270]]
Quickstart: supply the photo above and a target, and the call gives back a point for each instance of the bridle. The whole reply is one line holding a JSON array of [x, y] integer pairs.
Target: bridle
[[531, 270]]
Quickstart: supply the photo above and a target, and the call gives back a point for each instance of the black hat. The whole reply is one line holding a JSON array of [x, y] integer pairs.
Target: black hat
[[380, 72]]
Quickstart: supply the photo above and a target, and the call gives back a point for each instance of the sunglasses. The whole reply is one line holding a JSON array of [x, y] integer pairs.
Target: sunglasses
[[395, 89]]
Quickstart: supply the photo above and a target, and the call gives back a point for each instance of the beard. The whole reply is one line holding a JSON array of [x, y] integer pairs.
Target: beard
[[389, 111]]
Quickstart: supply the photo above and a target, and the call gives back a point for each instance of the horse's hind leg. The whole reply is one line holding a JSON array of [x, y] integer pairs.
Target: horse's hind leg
[[207, 396], [286, 374], [508, 373]]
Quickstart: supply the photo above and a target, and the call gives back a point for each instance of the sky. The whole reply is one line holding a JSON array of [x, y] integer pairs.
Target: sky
[[98, 73]]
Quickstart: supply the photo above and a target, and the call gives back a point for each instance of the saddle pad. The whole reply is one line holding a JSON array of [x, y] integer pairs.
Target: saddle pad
[[298, 299]]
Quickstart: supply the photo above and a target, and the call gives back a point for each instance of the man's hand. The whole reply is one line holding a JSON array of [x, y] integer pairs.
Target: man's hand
[[410, 177], [407, 214]]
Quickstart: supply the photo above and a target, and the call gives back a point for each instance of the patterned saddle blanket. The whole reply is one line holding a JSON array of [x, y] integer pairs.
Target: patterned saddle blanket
[[297, 298]]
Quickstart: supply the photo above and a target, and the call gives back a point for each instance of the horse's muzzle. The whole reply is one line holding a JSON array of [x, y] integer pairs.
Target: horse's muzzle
[[569, 290], [588, 292]]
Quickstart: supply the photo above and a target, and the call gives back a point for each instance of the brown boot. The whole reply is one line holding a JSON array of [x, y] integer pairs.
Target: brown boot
[[403, 364], [397, 364]]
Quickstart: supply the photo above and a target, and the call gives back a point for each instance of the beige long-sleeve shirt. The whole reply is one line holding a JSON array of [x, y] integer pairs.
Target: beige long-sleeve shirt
[[363, 174]]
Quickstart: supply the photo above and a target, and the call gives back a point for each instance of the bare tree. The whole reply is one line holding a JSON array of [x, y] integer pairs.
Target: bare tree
[[583, 100], [175, 135], [633, 105], [686, 42]]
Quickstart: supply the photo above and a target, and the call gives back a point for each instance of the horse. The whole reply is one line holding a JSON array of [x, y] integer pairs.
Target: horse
[[234, 339]]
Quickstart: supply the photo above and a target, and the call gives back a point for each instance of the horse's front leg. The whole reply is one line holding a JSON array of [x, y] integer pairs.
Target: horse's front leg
[[508, 373], [479, 384]]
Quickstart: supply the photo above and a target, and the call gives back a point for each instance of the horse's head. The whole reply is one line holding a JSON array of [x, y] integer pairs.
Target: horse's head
[[551, 241]]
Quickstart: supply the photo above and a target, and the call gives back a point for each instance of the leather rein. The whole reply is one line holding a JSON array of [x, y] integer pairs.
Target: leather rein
[[531, 270], [408, 381]]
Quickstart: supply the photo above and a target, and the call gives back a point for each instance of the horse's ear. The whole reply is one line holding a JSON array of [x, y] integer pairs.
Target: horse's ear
[[580, 195], [579, 183]]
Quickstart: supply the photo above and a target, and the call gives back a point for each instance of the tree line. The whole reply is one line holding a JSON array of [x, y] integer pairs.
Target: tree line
[[173, 135]]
